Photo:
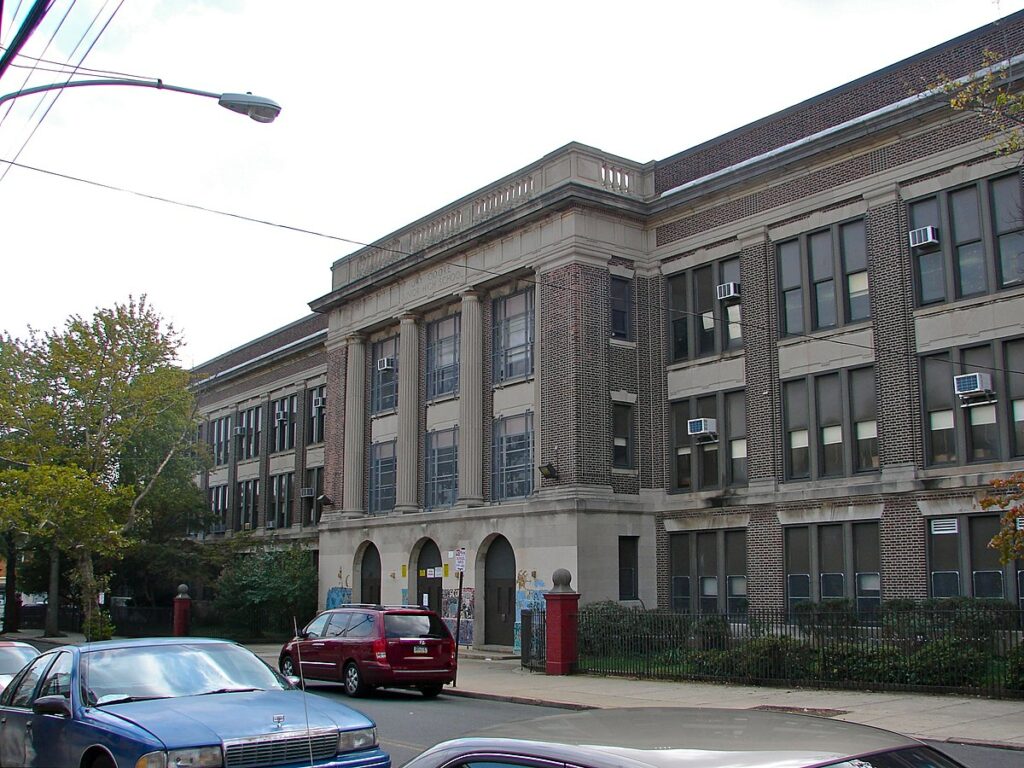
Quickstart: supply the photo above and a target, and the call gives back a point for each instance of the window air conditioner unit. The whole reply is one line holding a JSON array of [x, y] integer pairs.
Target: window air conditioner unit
[[319, 402], [924, 237], [307, 493], [728, 291], [971, 384], [246, 526], [386, 364], [1020, 523], [241, 431], [281, 415], [706, 429], [271, 524]]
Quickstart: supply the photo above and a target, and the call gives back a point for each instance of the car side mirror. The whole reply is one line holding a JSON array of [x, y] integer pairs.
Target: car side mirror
[[295, 680], [52, 705], [303, 634]]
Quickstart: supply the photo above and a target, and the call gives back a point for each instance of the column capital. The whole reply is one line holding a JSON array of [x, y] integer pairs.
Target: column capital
[[354, 338], [469, 294], [409, 318]]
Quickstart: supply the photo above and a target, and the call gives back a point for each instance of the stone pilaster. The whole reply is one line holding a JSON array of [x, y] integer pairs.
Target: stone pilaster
[[355, 423], [407, 448], [471, 427]]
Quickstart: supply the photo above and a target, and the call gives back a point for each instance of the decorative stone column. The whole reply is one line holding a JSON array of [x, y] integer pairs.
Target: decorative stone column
[[355, 426], [562, 630], [471, 427], [182, 612], [406, 449]]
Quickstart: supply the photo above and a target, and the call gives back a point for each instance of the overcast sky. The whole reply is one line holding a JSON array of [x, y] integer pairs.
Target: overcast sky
[[390, 111]]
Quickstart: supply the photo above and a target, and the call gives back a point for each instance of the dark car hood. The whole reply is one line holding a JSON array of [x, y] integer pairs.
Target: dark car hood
[[196, 720]]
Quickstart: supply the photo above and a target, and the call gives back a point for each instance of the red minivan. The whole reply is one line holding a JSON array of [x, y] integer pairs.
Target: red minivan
[[370, 646]]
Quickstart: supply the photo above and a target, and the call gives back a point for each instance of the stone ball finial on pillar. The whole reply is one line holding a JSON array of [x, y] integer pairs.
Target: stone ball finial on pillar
[[561, 579], [182, 612]]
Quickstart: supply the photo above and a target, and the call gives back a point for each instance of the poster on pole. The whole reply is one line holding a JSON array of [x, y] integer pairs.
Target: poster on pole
[[460, 560]]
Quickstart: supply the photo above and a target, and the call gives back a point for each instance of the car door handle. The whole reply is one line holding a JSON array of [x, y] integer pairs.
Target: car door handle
[[318, 645]]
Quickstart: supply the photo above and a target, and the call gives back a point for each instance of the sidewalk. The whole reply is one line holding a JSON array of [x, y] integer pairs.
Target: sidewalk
[[958, 719]]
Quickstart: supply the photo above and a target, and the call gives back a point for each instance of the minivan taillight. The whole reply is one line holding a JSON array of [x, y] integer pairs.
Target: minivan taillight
[[380, 649]]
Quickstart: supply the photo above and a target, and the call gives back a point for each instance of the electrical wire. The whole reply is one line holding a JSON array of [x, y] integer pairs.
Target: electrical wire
[[78, 69], [744, 324], [15, 15]]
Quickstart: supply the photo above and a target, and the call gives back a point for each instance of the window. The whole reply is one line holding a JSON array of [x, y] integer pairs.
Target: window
[[443, 357], [279, 512], [708, 571], [58, 678], [983, 427], [698, 460], [384, 376], [513, 336], [961, 564], [248, 503], [830, 423], [981, 240], [823, 279], [833, 561], [220, 440], [382, 477], [629, 563], [622, 435], [512, 464], [316, 411], [250, 425], [219, 508], [283, 432], [311, 504], [442, 471], [621, 295], [699, 322]]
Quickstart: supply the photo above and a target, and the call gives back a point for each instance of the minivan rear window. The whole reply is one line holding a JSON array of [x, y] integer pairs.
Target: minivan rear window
[[414, 625]]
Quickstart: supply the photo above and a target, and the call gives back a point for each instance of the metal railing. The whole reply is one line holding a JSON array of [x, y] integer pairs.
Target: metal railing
[[976, 650], [533, 640]]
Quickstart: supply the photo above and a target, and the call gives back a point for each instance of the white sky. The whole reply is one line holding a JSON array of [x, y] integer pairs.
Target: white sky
[[390, 111]]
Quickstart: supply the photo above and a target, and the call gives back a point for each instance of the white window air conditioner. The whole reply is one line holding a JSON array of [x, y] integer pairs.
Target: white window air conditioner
[[307, 493], [924, 237], [1020, 523], [281, 415], [271, 524], [386, 364], [702, 429], [319, 402], [972, 384], [241, 431], [246, 526], [728, 291]]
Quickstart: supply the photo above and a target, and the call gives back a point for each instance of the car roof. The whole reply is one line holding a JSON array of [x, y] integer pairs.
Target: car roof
[[673, 736], [412, 609], [148, 641], [15, 644]]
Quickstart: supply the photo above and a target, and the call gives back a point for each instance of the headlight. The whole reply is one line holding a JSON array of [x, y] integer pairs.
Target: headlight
[[198, 757], [364, 738]]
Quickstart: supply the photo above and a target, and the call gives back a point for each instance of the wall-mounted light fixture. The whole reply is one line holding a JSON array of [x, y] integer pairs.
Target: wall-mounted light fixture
[[548, 471]]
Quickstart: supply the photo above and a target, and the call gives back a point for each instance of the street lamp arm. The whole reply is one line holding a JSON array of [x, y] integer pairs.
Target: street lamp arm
[[259, 108]]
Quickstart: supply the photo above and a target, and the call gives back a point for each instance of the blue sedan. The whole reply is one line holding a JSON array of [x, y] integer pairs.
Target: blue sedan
[[174, 703]]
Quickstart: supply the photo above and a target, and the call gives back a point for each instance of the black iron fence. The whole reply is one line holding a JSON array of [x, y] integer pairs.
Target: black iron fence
[[975, 650], [533, 640]]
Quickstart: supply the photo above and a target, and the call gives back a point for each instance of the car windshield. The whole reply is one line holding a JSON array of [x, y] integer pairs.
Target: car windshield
[[915, 757], [414, 625], [141, 672], [13, 659]]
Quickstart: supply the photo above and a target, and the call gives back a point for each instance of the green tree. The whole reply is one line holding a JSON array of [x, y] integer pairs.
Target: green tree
[[992, 94], [281, 582], [1008, 495], [101, 406]]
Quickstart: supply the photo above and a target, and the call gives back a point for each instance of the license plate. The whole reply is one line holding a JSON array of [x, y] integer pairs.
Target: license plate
[[419, 649]]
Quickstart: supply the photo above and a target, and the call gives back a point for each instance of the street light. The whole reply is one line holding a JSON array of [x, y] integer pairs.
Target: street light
[[259, 108]]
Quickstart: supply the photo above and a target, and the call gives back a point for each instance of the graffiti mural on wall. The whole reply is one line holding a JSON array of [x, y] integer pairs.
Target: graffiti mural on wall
[[450, 610], [338, 596], [529, 597]]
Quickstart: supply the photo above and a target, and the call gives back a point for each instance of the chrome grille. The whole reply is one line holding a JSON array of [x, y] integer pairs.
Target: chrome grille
[[283, 749]]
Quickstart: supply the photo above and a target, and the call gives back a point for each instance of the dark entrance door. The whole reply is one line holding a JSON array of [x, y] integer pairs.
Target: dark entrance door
[[428, 577], [369, 581], [500, 593]]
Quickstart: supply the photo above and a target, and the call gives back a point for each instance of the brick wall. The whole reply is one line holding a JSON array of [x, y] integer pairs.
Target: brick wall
[[652, 403], [903, 554], [263, 345], [334, 425]]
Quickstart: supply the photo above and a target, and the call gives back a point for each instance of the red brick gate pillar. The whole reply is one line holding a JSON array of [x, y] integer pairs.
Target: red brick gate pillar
[[561, 624], [182, 612]]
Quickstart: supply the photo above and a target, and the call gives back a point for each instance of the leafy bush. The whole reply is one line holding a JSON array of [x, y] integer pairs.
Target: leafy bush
[[827, 619], [609, 628], [1015, 669], [774, 658], [880, 664], [713, 633], [948, 662], [99, 626]]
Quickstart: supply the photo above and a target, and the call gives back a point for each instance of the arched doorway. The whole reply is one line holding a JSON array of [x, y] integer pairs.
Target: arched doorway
[[428, 576], [369, 577], [500, 593]]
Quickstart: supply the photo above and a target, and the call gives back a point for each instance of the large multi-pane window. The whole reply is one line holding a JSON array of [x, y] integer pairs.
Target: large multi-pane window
[[443, 357], [701, 323], [823, 278], [316, 413], [384, 375], [382, 477], [708, 571], [621, 307], [831, 426], [833, 561], [961, 564], [248, 503], [311, 502], [629, 567], [980, 233], [709, 442], [512, 462], [984, 423], [282, 411], [442, 468], [622, 436], [219, 508], [220, 440], [513, 336], [279, 509], [249, 432]]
